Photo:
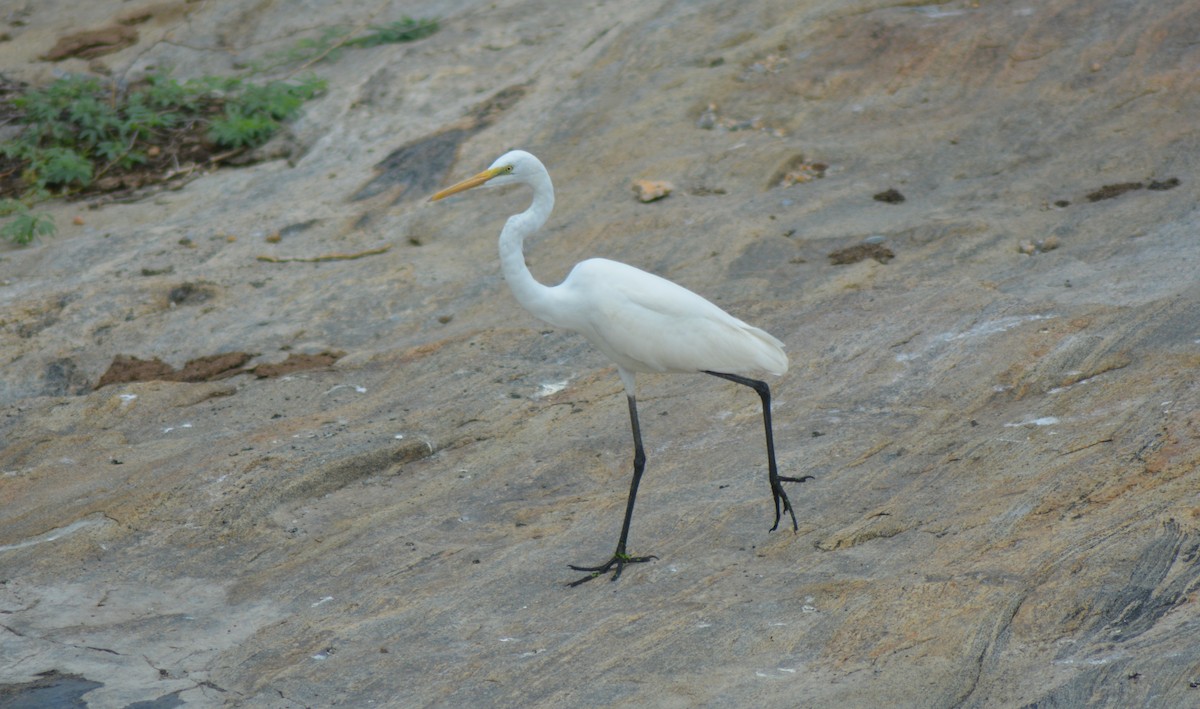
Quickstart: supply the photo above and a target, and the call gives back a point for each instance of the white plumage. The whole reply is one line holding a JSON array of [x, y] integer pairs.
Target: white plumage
[[642, 322], [646, 323]]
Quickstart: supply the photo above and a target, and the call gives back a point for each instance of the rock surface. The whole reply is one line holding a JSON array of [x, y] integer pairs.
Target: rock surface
[[1005, 443]]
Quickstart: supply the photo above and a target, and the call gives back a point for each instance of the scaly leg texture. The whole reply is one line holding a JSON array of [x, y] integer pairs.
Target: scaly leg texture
[[620, 558], [782, 503]]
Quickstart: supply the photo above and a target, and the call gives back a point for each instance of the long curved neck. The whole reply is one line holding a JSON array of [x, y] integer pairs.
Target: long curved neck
[[535, 297]]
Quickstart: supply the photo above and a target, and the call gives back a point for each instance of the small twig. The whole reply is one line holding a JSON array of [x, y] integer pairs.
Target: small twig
[[117, 159], [863, 458], [1089, 445], [341, 42], [214, 159], [178, 170], [326, 257]]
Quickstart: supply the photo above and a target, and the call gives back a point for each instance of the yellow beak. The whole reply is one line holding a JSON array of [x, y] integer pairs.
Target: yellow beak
[[468, 183]]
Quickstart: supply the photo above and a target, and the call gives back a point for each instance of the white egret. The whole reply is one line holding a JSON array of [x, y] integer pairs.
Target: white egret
[[644, 323]]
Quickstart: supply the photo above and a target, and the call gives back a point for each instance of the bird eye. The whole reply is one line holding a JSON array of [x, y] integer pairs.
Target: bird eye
[[508, 168]]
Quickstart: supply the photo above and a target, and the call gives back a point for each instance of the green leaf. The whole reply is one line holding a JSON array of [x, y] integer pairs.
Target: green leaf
[[404, 30], [26, 226], [238, 130], [76, 127], [63, 166]]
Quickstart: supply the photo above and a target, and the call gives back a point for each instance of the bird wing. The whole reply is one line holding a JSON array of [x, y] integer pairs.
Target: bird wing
[[646, 323]]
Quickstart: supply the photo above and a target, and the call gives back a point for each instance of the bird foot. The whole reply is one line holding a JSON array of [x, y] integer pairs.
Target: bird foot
[[781, 499], [619, 560]]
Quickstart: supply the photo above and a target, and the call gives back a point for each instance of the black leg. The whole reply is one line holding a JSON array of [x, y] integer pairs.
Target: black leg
[[620, 558], [781, 499]]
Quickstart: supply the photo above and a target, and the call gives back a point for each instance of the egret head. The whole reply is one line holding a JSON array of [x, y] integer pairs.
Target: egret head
[[515, 166]]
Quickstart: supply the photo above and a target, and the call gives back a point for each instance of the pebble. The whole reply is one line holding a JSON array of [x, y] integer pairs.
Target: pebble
[[651, 190]]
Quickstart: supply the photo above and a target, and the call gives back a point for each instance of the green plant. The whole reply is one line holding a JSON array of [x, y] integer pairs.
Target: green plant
[[258, 110], [405, 30], [79, 128], [24, 225], [239, 130], [327, 45]]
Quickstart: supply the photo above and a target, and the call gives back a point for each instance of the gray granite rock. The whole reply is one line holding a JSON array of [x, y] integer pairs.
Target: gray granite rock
[[1004, 437]]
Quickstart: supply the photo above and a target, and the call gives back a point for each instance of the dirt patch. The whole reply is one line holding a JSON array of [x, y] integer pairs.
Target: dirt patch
[[90, 44], [1162, 185], [889, 196], [297, 363], [190, 294], [861, 252], [127, 368], [1117, 189], [212, 367], [1111, 191]]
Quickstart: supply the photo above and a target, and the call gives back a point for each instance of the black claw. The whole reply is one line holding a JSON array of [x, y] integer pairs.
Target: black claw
[[778, 493], [782, 502], [619, 560], [787, 506]]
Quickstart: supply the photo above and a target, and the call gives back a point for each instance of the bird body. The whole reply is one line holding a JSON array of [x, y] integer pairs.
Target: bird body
[[646, 323], [642, 322]]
